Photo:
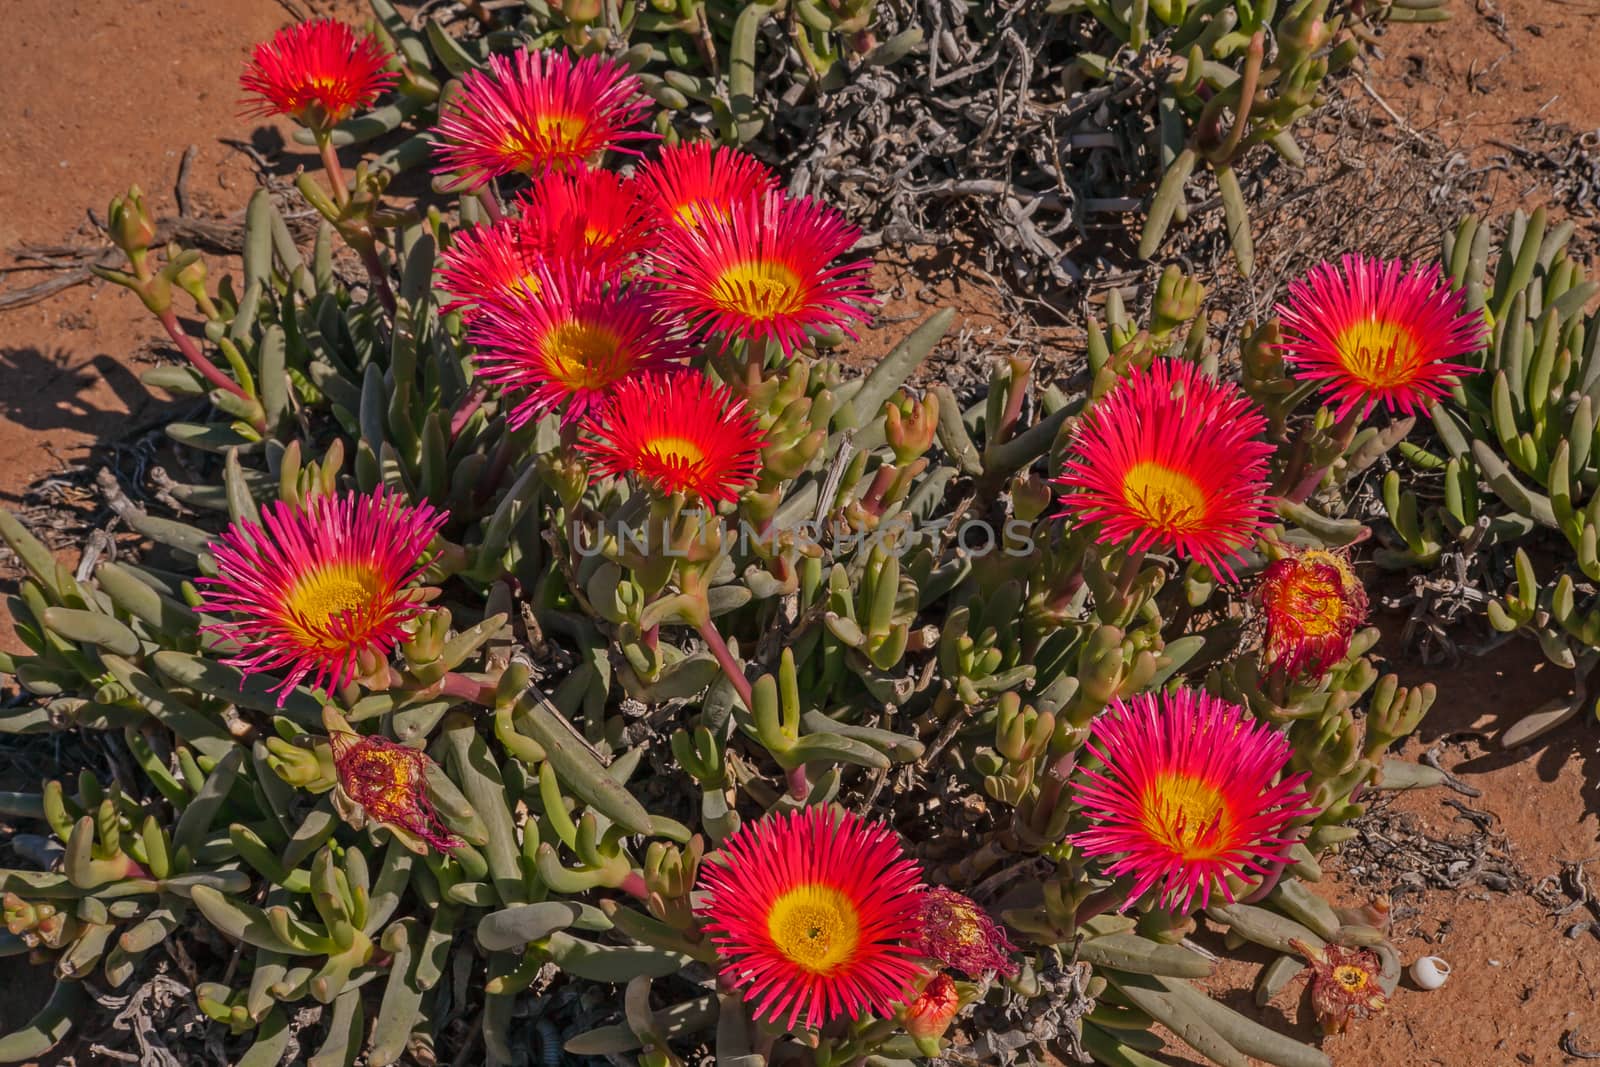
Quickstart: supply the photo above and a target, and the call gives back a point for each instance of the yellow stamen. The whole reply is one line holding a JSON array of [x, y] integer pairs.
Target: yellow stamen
[[758, 289], [550, 135], [816, 927], [1186, 814], [690, 213], [1378, 354], [675, 450], [325, 594], [582, 355], [562, 131], [1352, 978], [1163, 497]]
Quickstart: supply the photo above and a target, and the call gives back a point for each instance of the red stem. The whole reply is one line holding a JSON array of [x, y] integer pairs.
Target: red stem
[[376, 275], [490, 201], [197, 358], [730, 666], [330, 164], [463, 688]]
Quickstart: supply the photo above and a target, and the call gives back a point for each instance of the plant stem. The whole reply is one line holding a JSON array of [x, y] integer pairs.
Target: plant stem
[[730, 666], [1129, 573], [463, 688], [490, 201], [197, 358], [330, 164], [465, 409], [799, 782], [376, 275], [1344, 431]]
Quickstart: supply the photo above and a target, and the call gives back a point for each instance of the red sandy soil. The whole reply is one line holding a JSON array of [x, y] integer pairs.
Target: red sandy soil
[[104, 94]]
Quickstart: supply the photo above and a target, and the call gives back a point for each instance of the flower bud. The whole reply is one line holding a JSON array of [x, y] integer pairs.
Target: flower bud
[[129, 225], [909, 425], [1178, 299], [1030, 495], [928, 1017]]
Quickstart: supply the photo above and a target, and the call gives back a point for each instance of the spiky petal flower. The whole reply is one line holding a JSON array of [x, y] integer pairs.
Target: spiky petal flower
[[1378, 332], [1168, 460], [1344, 984], [1313, 603], [573, 345], [1191, 791], [679, 431], [590, 218], [764, 271], [954, 930], [697, 180], [388, 782], [488, 265], [532, 112], [319, 587], [810, 911], [319, 72]]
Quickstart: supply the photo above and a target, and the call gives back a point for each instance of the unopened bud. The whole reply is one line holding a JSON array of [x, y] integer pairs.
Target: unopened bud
[[928, 1017], [909, 426], [129, 225]]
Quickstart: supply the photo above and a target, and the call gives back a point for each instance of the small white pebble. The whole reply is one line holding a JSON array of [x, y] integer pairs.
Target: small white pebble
[[1494, 963]]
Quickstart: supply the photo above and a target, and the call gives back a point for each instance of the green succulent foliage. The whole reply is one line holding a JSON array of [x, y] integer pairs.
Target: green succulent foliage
[[1246, 71], [791, 666], [890, 642], [1516, 447], [699, 60]]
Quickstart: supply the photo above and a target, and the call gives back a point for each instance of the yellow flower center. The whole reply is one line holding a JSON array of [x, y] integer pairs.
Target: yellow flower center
[[383, 771], [327, 593], [675, 451], [690, 213], [1163, 497], [1378, 354], [582, 355], [1186, 814], [816, 927], [527, 285], [530, 147], [1353, 979], [561, 131], [759, 289]]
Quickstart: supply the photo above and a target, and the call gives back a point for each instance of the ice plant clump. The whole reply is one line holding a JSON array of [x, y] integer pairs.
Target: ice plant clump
[[388, 781], [811, 911], [952, 929], [486, 265], [591, 218], [679, 431], [1313, 603], [570, 347], [763, 272], [533, 112], [318, 72], [1344, 985], [1379, 332], [695, 181], [1190, 791], [317, 588], [1168, 459]]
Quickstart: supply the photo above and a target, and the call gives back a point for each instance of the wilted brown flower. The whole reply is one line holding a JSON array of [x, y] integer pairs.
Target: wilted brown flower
[[1344, 985], [954, 930], [388, 781]]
